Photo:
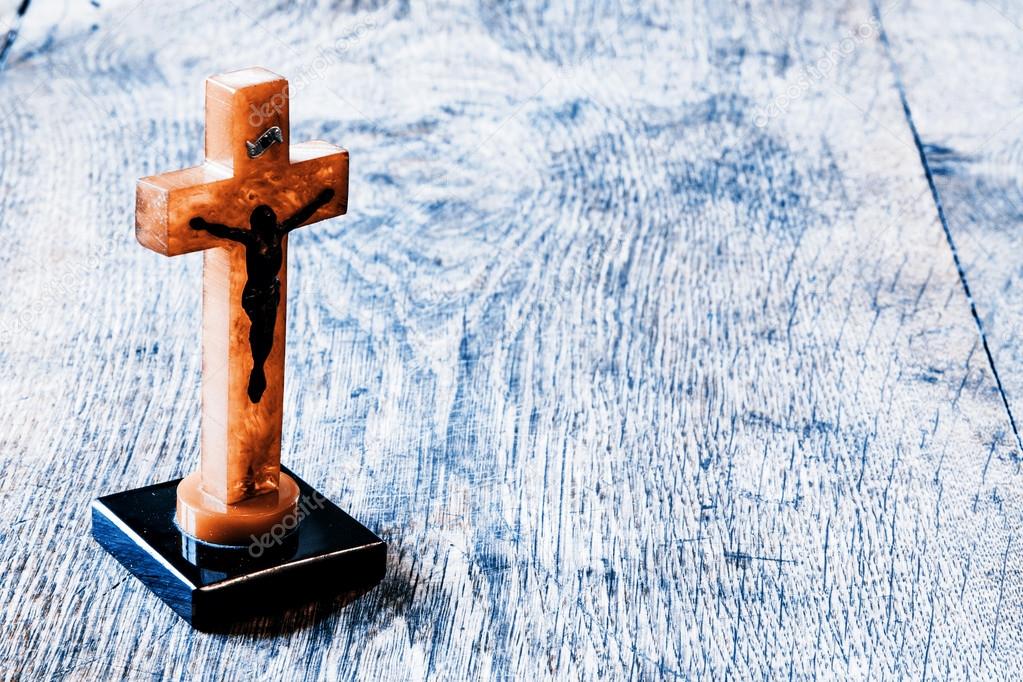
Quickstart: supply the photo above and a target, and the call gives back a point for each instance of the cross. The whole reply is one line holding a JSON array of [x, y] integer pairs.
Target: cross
[[238, 207]]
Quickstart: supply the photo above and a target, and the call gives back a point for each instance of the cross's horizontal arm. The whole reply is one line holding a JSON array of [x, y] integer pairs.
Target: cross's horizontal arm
[[166, 203]]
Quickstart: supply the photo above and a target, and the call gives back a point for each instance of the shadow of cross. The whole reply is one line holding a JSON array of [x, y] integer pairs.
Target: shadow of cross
[[237, 208]]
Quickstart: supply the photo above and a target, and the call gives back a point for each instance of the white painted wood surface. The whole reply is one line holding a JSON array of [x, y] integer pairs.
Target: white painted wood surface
[[642, 345]]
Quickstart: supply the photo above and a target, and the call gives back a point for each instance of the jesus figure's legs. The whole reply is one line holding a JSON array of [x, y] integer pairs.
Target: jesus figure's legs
[[261, 307]]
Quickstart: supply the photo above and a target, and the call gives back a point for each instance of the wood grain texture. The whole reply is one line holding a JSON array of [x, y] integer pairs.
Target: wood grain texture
[[642, 346], [973, 146]]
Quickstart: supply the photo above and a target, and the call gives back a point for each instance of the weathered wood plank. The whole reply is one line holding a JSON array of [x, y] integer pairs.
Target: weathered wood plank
[[965, 102], [632, 385]]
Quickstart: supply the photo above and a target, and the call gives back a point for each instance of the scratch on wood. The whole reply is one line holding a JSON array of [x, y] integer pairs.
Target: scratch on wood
[[12, 33]]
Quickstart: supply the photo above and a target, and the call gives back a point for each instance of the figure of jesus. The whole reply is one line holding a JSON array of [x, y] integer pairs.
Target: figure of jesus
[[262, 293]]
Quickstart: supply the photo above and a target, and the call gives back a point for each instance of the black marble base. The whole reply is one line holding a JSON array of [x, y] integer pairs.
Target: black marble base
[[215, 587]]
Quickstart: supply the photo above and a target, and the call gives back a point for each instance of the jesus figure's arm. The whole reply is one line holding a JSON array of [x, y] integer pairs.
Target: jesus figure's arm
[[223, 231], [307, 212]]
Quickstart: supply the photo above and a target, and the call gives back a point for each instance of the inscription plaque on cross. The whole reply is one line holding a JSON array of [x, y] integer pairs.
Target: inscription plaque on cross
[[238, 207]]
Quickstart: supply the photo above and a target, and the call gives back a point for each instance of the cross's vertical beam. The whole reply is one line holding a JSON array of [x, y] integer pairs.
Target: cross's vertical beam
[[241, 440]]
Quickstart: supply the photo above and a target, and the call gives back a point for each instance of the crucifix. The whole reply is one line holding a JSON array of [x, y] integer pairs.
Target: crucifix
[[242, 534], [238, 208]]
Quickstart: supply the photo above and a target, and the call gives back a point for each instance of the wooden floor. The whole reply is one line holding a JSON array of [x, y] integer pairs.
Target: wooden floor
[[677, 340]]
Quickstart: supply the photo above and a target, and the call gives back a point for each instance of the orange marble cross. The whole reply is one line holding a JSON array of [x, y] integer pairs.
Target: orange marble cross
[[237, 207]]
